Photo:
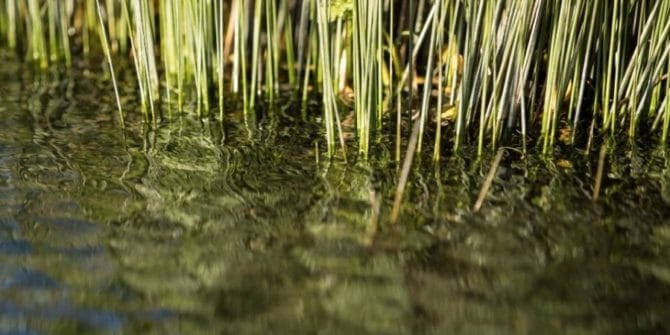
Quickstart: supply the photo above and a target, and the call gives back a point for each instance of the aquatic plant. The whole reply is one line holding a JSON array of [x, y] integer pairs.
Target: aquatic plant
[[486, 73]]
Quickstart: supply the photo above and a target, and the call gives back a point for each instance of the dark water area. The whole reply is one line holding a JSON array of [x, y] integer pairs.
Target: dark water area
[[180, 230]]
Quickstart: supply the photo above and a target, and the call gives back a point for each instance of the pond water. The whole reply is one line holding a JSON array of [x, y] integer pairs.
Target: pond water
[[181, 230]]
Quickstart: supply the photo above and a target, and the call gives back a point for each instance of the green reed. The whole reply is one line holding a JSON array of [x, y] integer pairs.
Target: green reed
[[487, 73], [108, 56], [366, 63]]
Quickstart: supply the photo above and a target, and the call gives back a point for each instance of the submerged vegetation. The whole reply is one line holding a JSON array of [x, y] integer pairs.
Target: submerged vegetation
[[480, 73]]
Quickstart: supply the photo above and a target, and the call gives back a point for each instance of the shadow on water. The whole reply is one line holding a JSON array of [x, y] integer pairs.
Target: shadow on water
[[180, 230]]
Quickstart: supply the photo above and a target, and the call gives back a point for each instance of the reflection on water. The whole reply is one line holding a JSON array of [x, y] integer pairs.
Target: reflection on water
[[182, 230]]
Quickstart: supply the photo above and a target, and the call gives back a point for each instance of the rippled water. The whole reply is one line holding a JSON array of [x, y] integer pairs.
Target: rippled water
[[181, 230]]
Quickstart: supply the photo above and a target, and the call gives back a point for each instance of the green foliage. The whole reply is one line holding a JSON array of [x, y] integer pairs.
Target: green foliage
[[341, 9]]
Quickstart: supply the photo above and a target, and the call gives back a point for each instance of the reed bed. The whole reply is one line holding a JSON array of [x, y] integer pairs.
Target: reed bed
[[480, 73]]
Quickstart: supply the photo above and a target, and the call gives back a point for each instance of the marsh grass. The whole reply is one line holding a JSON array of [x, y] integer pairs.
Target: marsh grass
[[108, 56], [524, 73]]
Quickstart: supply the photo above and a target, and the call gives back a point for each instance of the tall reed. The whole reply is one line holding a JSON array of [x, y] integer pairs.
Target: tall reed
[[488, 73]]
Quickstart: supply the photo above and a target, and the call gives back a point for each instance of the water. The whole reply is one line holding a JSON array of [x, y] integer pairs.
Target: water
[[181, 230]]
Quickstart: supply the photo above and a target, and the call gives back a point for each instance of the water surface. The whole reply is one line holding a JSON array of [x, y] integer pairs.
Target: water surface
[[182, 230]]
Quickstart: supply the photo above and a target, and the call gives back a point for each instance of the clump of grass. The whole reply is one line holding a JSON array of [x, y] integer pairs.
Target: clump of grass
[[37, 44], [108, 55], [488, 73], [366, 62], [331, 115]]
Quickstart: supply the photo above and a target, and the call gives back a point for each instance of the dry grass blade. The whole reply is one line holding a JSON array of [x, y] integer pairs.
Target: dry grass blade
[[488, 181], [599, 172]]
